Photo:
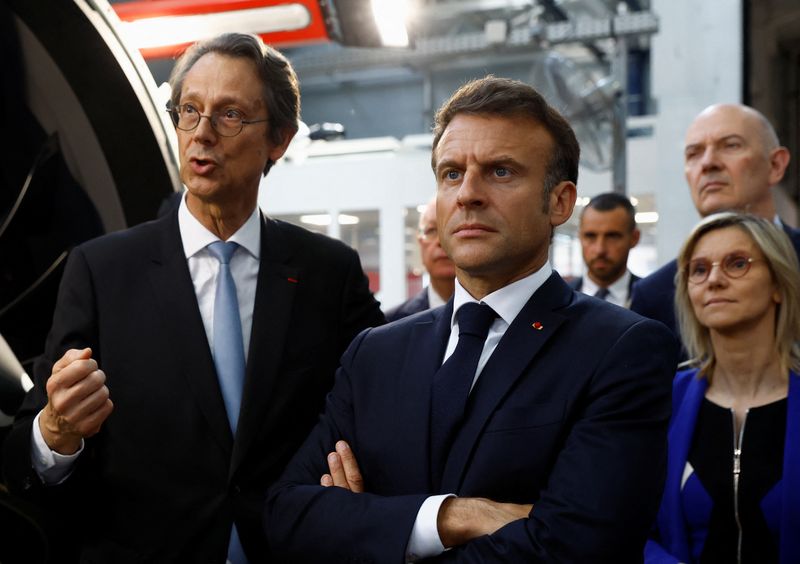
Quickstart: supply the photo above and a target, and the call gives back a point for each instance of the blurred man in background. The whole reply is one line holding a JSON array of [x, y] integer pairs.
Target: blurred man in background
[[440, 268], [607, 233]]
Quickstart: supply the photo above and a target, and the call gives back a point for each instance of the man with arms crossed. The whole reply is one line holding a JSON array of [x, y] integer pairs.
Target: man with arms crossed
[[607, 233], [438, 265], [557, 452], [732, 161], [217, 365]]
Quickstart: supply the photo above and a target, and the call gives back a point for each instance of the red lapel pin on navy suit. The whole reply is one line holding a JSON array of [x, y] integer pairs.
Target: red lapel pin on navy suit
[[537, 325]]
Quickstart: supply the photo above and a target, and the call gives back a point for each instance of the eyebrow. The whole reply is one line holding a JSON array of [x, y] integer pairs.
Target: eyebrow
[[727, 254], [716, 141], [222, 101]]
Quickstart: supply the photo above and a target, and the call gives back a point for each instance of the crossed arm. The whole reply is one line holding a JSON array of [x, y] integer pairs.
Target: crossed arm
[[460, 519]]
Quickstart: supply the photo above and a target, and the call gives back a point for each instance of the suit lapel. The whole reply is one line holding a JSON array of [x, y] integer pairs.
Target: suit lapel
[[535, 324], [423, 358], [271, 315], [176, 299]]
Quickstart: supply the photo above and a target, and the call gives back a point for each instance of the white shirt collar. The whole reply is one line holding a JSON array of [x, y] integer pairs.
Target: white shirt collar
[[196, 237], [509, 300], [618, 290]]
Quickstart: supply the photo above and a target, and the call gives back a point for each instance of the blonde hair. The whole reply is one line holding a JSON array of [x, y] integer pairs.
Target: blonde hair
[[781, 259]]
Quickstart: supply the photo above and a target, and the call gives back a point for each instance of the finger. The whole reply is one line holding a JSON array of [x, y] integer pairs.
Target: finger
[[94, 422], [66, 397], [82, 407], [337, 471], [71, 374], [351, 471], [326, 480], [86, 418], [69, 356]]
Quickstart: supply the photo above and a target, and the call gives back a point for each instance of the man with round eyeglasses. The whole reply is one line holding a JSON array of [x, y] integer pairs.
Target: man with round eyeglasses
[[189, 356]]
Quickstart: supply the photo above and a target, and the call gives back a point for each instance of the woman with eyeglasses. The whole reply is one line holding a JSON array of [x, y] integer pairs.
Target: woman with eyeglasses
[[732, 492]]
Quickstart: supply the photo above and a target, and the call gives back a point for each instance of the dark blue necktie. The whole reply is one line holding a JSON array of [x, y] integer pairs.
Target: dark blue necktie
[[602, 293], [452, 382], [228, 355]]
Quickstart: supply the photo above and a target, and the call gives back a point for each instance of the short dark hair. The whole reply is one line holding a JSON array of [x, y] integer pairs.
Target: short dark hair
[[610, 201], [278, 79], [504, 97]]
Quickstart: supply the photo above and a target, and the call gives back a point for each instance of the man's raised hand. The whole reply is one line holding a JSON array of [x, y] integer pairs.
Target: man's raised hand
[[77, 402]]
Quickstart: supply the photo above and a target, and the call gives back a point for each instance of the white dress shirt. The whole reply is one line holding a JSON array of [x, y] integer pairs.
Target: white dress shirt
[[53, 467], [617, 292], [507, 302]]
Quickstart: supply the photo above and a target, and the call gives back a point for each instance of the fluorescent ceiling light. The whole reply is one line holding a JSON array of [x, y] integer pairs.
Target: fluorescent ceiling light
[[390, 17], [647, 217], [177, 30], [323, 219]]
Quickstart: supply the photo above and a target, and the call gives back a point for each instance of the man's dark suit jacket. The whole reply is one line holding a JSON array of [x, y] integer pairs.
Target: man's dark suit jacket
[[654, 295], [570, 414], [164, 479], [409, 307]]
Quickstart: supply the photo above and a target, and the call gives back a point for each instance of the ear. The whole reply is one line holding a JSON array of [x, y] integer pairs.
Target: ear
[[562, 202], [277, 151], [776, 295], [778, 161], [635, 237]]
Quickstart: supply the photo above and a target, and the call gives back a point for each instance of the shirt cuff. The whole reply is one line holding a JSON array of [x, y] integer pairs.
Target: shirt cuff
[[424, 541], [52, 467]]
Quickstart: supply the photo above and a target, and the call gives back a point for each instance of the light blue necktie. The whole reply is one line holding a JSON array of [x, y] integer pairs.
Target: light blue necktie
[[227, 331], [228, 355]]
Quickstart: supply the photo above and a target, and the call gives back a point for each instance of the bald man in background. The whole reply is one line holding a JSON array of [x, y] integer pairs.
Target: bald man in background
[[732, 160], [440, 269]]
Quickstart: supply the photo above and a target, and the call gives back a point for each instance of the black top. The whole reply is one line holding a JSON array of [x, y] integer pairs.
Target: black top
[[712, 455]]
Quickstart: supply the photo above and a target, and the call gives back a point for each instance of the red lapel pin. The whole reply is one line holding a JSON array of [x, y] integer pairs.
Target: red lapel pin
[[538, 326]]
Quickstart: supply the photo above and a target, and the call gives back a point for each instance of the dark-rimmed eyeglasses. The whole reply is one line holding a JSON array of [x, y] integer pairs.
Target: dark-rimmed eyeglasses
[[227, 123], [734, 265]]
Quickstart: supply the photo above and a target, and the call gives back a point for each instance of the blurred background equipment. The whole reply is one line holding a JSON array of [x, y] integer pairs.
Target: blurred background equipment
[[91, 151]]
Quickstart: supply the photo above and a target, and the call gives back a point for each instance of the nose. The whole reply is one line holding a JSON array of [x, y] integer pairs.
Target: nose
[[715, 275], [470, 191], [204, 132], [709, 160]]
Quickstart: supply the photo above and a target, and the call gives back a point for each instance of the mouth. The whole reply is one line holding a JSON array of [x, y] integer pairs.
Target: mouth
[[202, 166], [466, 230], [712, 186], [718, 301]]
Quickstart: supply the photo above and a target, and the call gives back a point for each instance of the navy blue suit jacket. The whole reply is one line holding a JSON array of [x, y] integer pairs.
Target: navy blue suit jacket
[[165, 478], [654, 295], [411, 306], [571, 417]]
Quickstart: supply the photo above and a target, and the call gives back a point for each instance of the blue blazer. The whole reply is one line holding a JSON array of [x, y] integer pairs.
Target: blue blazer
[[654, 295], [687, 396], [570, 414]]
